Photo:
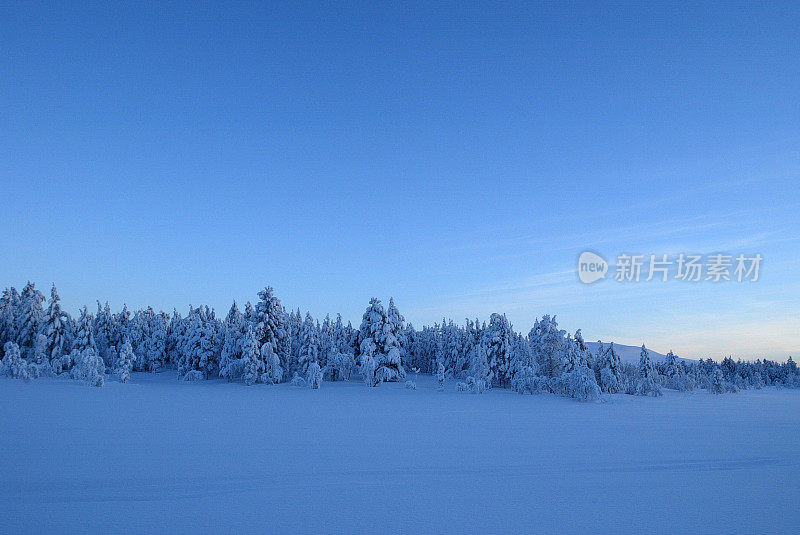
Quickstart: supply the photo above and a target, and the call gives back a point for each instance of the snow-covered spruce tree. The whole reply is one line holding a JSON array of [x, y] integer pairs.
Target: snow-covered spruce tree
[[525, 369], [8, 317], [124, 362], [717, 384], [230, 362], [29, 318], [271, 329], [87, 364], [314, 375], [175, 333], [155, 344], [273, 373], [248, 365], [675, 376], [138, 332], [39, 363], [479, 378], [122, 324], [548, 342], [497, 341], [340, 361], [608, 369], [576, 380], [389, 364], [368, 362], [582, 348], [379, 347], [326, 341], [198, 358], [55, 330], [103, 333], [441, 374], [647, 385], [13, 365], [450, 347], [309, 346]]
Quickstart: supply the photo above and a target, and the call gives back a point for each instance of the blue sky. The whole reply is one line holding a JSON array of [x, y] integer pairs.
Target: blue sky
[[458, 157]]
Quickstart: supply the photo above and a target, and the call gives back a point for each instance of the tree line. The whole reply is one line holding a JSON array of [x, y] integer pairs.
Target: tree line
[[263, 343]]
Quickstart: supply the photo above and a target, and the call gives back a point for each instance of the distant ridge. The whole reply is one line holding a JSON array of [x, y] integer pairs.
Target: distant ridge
[[629, 353]]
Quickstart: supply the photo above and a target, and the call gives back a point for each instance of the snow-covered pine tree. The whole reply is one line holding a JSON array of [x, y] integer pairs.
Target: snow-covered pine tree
[[87, 364], [441, 374], [497, 341], [583, 349], [609, 369], [55, 329], [647, 384], [370, 340], [718, 384], [271, 329], [13, 365], [249, 365], [155, 343], [29, 319], [8, 317], [367, 356], [41, 357], [675, 376], [314, 375], [174, 337], [124, 362], [273, 373], [122, 324], [327, 341], [103, 333], [576, 380], [309, 347], [571, 357], [138, 332], [480, 376], [231, 355], [548, 342], [198, 356], [389, 364]]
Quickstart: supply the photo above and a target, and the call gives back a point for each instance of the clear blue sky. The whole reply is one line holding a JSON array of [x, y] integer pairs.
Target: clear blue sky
[[455, 156]]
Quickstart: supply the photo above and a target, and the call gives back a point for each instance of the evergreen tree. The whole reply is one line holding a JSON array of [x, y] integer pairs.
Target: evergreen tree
[[13, 365], [198, 355], [249, 365], [87, 364], [498, 346], [231, 354], [676, 378], [389, 364], [271, 329], [309, 346], [29, 318], [122, 323], [647, 384], [718, 385], [103, 333], [54, 329], [480, 376], [8, 317], [608, 369], [314, 375], [124, 362]]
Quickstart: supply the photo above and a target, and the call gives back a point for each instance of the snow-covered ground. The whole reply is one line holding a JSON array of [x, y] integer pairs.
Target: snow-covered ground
[[162, 456]]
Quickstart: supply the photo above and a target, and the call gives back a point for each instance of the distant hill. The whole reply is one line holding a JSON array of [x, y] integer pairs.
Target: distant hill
[[628, 353]]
